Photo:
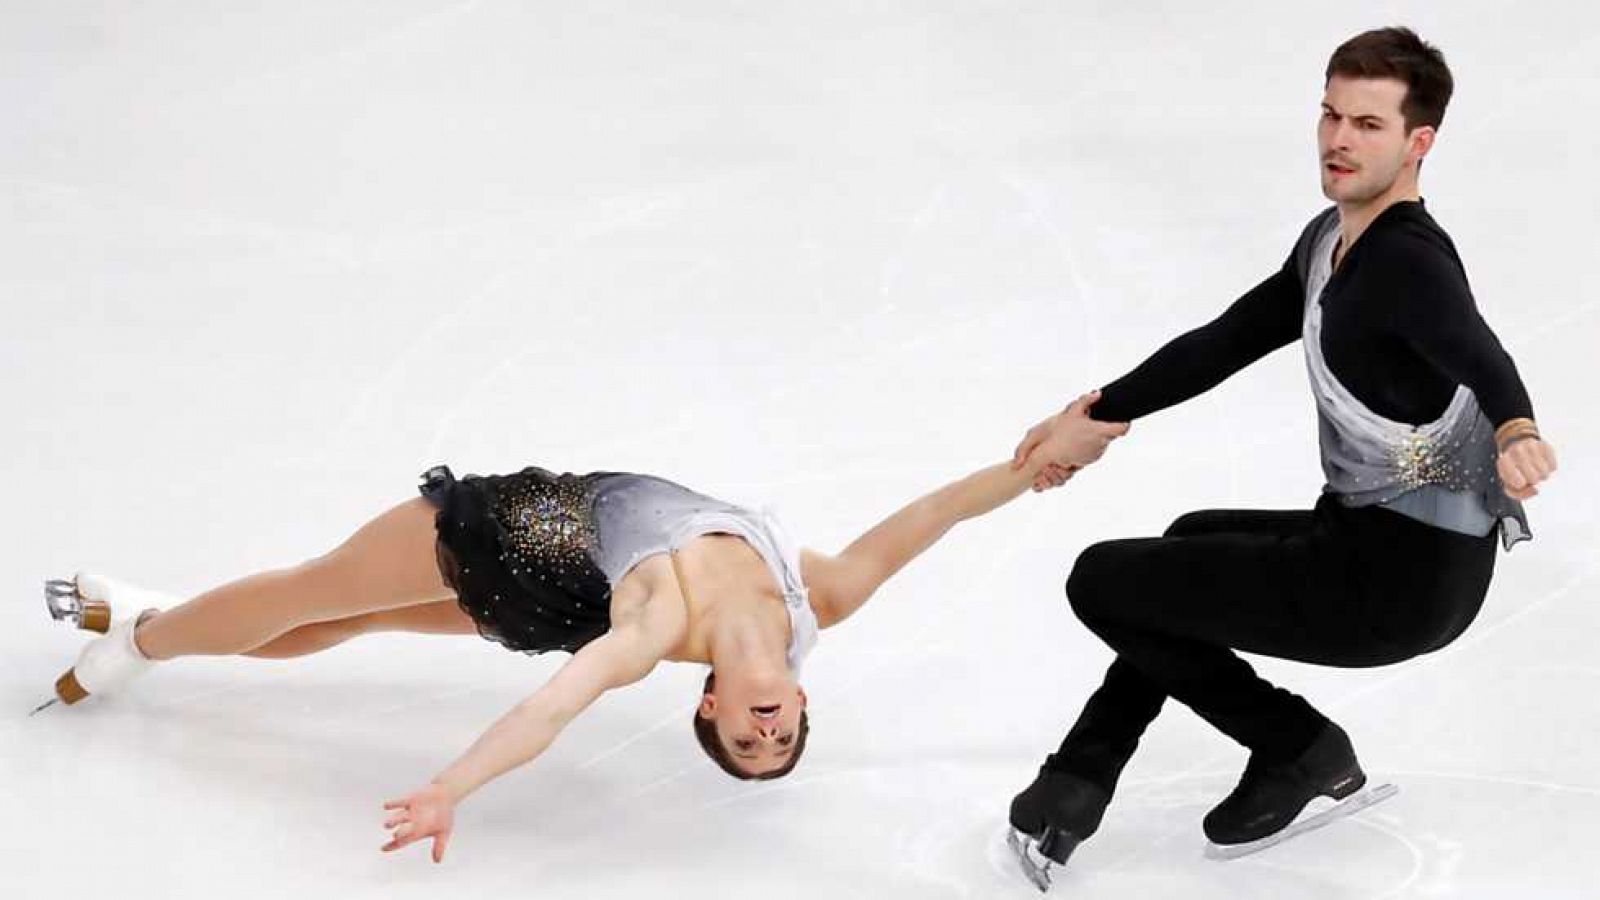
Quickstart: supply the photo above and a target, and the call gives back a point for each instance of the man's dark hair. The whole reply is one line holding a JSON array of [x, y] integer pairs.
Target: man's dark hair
[[705, 731], [1399, 54]]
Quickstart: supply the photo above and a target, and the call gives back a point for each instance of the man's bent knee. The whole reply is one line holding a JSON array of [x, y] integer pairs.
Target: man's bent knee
[[1190, 523], [1090, 586]]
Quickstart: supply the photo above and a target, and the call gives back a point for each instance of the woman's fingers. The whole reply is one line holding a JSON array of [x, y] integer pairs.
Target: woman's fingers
[[440, 841], [400, 838], [1030, 441]]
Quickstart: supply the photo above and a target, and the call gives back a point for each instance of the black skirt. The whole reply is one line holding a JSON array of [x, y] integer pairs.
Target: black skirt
[[516, 550]]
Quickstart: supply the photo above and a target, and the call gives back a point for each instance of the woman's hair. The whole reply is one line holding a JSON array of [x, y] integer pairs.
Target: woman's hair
[[705, 731]]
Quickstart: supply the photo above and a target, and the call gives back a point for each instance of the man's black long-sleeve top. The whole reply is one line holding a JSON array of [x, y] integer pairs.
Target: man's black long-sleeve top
[[1400, 331]]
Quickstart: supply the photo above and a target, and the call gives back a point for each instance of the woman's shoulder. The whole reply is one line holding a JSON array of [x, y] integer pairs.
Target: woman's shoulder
[[827, 582], [646, 583]]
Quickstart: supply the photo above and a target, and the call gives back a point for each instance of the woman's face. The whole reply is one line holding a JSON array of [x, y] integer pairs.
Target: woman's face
[[757, 719]]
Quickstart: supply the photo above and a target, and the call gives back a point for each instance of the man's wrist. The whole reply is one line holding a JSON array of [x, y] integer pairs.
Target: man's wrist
[[1513, 431]]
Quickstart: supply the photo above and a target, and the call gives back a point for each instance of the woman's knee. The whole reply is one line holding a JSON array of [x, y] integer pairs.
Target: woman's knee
[[311, 637]]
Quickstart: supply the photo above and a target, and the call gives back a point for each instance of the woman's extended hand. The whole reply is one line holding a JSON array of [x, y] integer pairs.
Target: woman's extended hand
[[429, 812]]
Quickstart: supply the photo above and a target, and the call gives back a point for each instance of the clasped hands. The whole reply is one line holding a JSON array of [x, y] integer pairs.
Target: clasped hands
[[1064, 443]]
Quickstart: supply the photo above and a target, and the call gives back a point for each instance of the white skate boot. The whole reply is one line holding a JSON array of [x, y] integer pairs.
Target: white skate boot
[[88, 599], [105, 662]]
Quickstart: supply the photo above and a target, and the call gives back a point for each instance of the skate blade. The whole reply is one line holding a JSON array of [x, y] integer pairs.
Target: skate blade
[[1035, 865], [1350, 805], [43, 706]]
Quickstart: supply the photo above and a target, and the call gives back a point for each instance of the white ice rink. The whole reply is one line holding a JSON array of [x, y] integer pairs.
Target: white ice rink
[[260, 267]]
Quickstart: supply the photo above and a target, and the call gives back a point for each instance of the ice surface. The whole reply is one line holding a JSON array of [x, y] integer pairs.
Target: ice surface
[[261, 266]]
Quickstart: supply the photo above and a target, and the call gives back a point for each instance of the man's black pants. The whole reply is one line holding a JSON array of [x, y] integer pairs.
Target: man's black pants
[[1333, 585]]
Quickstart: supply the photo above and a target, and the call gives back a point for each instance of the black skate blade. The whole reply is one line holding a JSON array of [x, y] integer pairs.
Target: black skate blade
[[42, 707], [1035, 865], [1360, 800]]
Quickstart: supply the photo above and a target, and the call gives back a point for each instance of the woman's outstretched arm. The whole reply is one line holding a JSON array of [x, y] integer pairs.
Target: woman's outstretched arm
[[619, 657], [840, 584]]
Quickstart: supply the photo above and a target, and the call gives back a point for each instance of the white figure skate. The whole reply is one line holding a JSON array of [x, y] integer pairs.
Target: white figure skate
[[107, 662]]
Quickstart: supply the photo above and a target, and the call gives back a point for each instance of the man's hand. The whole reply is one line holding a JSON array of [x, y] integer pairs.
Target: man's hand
[[1066, 442], [1524, 465]]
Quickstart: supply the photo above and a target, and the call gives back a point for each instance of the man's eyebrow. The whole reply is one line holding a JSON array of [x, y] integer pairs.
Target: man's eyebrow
[[1372, 117]]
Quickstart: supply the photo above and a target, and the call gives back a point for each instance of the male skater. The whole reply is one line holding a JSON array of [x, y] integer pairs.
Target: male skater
[[1428, 443]]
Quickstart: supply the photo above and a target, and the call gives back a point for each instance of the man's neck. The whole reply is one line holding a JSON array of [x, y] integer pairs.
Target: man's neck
[[1355, 218]]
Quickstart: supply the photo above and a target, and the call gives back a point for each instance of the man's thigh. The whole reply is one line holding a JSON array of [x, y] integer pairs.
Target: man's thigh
[[1276, 585]]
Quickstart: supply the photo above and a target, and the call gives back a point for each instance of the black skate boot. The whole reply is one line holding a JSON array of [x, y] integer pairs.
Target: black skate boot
[[1261, 809], [1051, 817]]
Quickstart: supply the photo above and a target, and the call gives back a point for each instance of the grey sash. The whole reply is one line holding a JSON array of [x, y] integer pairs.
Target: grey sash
[[1442, 472]]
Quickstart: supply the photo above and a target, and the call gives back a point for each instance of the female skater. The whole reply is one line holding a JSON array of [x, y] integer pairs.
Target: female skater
[[623, 571]]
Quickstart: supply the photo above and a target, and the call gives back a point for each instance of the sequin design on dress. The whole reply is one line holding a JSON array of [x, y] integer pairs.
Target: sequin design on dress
[[517, 549], [549, 525]]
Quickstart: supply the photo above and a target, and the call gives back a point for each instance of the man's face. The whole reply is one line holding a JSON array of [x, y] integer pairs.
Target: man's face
[[1362, 141]]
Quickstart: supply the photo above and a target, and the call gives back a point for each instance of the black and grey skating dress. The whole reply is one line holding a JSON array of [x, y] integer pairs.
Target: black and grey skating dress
[[533, 556]]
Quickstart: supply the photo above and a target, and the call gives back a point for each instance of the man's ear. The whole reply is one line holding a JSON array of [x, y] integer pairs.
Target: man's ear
[[1422, 142]]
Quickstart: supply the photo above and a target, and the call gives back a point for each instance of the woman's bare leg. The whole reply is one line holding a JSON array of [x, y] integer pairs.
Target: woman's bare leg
[[387, 563], [438, 617]]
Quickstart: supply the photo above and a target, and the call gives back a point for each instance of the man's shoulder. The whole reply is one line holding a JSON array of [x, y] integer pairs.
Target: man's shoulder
[[1412, 240], [1412, 251]]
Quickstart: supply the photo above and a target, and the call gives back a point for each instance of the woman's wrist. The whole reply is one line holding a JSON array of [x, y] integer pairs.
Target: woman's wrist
[[452, 791]]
